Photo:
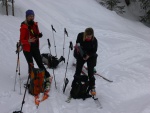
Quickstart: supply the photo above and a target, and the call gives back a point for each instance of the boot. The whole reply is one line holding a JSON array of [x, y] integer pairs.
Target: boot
[[47, 84], [95, 70], [93, 91], [61, 59]]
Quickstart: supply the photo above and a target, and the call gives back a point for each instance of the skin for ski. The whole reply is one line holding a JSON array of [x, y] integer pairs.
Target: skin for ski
[[45, 95]]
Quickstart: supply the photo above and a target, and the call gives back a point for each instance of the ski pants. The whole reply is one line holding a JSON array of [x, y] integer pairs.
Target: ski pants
[[35, 53], [91, 63]]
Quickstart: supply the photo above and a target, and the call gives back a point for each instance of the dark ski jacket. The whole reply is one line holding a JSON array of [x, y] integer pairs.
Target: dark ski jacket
[[88, 47]]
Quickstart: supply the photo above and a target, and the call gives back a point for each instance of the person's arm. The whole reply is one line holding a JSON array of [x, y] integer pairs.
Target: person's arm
[[23, 35], [79, 38], [94, 49]]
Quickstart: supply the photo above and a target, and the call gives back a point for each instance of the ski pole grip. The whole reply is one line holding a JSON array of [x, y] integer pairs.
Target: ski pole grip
[[71, 46], [53, 28], [66, 32], [48, 43], [17, 45]]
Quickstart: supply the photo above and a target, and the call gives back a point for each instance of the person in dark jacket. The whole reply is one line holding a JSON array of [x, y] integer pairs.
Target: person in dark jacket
[[29, 38], [89, 45]]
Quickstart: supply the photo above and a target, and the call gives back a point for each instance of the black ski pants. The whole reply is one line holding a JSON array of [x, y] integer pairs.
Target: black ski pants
[[35, 53], [91, 63]]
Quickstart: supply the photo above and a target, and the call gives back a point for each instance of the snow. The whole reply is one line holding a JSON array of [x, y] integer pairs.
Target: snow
[[123, 49]]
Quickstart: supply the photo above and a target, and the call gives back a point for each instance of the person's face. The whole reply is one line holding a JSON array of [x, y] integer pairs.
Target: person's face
[[30, 17], [89, 36]]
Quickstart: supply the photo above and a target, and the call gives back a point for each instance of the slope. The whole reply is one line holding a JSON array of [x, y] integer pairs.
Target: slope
[[124, 56]]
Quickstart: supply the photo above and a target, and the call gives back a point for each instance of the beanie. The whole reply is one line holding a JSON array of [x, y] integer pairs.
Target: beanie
[[29, 12]]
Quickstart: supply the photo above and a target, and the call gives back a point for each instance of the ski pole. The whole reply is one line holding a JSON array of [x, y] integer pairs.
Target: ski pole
[[49, 45], [65, 33], [66, 81], [18, 65], [23, 97], [54, 38]]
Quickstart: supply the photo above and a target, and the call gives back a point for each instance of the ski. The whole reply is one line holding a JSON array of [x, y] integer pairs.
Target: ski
[[45, 95], [68, 99], [99, 75], [85, 69], [66, 83], [97, 102]]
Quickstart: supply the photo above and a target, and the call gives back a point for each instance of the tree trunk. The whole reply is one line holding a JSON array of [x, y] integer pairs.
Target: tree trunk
[[13, 8], [6, 7]]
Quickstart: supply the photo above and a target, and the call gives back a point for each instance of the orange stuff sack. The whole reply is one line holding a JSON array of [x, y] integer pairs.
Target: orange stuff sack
[[36, 81]]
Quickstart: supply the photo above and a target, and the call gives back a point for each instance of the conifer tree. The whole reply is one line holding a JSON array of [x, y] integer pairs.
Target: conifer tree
[[145, 5], [113, 5], [127, 2]]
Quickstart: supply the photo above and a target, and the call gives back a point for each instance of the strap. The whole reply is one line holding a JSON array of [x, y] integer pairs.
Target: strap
[[29, 28]]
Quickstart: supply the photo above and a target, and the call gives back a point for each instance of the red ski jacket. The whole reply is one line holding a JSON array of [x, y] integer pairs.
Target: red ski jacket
[[26, 32]]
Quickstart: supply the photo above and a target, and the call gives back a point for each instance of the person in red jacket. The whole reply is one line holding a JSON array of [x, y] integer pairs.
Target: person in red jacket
[[29, 38]]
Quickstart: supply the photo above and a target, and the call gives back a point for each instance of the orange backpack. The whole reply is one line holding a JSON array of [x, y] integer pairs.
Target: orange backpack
[[36, 81]]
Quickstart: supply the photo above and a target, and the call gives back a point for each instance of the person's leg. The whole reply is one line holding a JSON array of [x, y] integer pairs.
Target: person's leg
[[37, 56], [91, 65], [79, 65], [29, 59], [91, 74]]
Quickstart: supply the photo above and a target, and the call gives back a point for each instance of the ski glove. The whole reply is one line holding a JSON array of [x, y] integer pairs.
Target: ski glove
[[40, 35]]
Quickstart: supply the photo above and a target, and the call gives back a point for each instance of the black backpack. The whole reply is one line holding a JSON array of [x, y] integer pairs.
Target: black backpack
[[51, 61], [80, 87]]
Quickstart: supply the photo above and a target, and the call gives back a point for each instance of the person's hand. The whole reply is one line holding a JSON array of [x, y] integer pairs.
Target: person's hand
[[86, 58], [32, 39], [40, 35], [76, 48]]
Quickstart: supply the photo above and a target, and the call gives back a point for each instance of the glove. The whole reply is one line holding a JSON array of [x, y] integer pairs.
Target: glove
[[40, 35]]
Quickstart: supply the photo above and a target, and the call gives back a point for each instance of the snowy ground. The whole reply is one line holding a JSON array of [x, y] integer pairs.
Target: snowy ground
[[124, 57]]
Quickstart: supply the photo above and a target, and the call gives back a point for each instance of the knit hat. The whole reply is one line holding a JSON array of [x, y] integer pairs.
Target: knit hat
[[29, 12]]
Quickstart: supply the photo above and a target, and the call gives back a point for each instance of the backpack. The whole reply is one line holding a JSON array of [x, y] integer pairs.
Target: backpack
[[36, 81], [80, 87], [51, 61]]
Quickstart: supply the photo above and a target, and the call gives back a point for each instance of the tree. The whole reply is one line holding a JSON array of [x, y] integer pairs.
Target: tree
[[113, 5], [13, 8], [145, 5], [8, 3]]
